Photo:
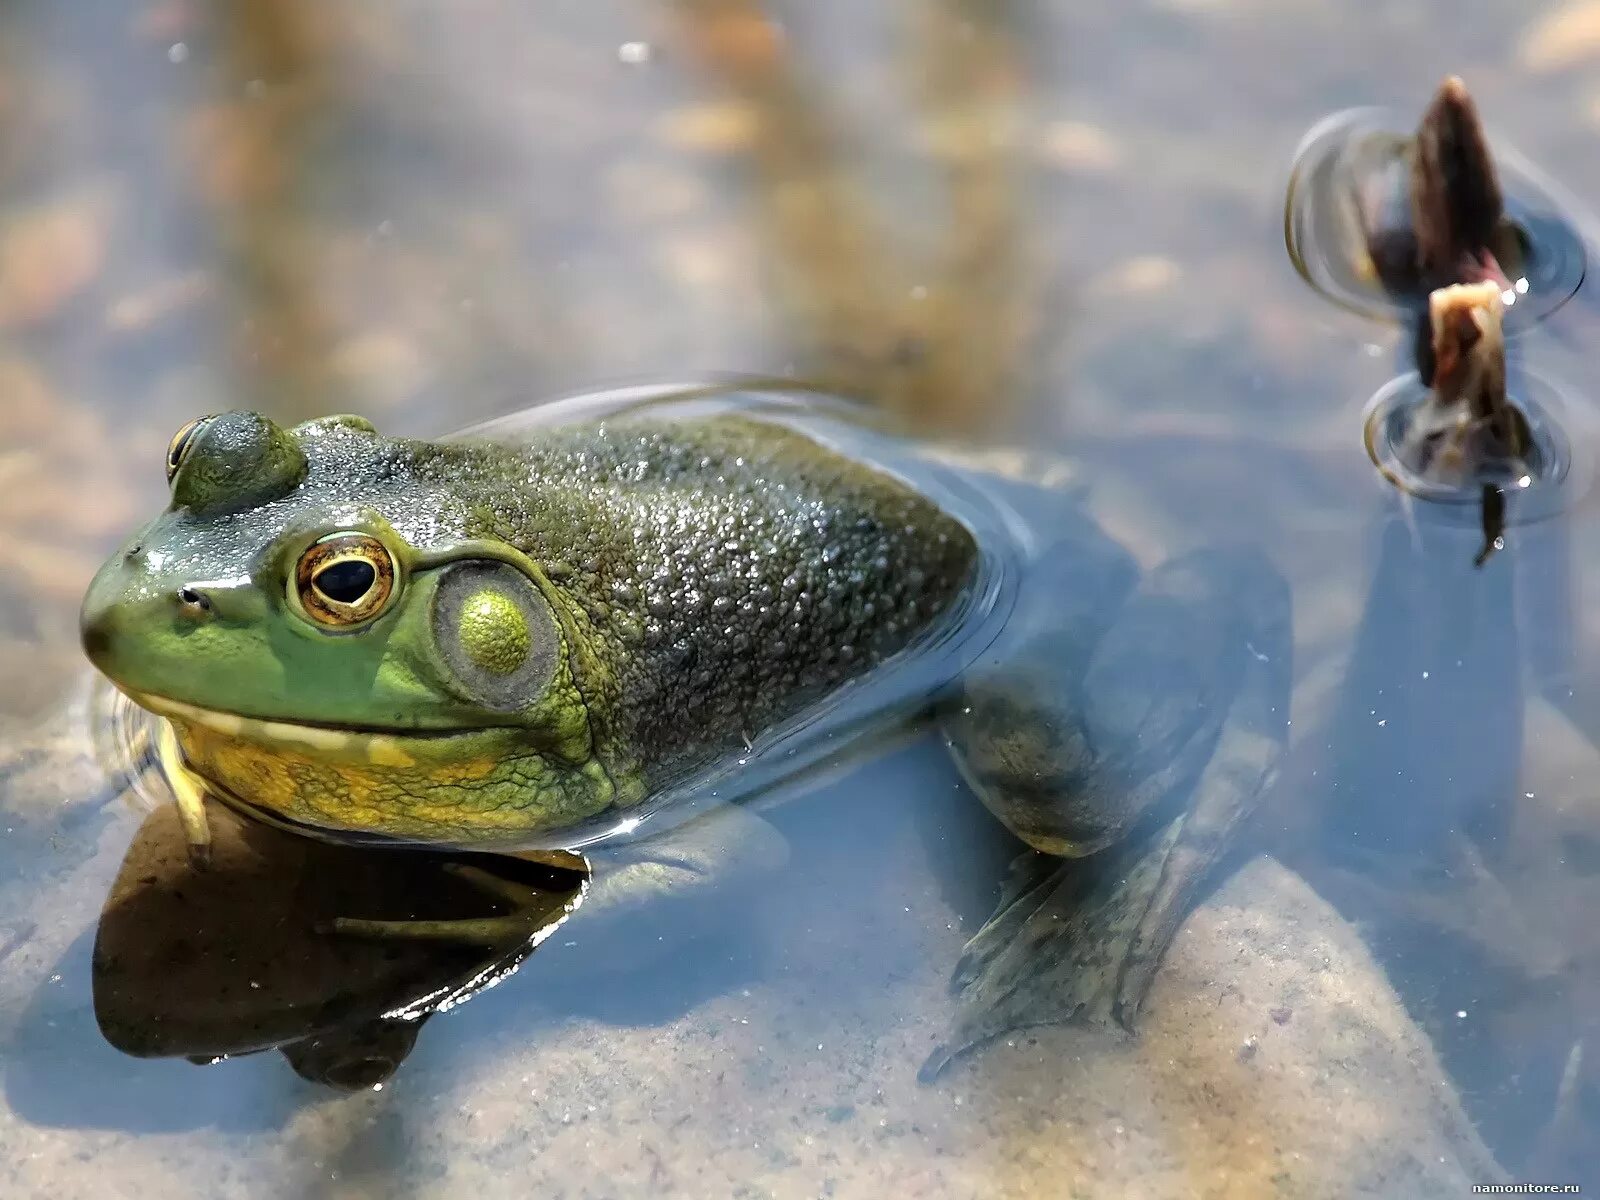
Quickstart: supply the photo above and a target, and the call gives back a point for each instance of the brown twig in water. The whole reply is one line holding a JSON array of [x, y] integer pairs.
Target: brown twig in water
[[1456, 204], [1469, 351], [1469, 422], [1457, 210]]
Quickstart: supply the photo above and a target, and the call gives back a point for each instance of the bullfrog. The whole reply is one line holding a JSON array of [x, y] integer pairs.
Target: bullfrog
[[615, 627]]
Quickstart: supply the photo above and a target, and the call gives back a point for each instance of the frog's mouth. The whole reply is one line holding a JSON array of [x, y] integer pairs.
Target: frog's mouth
[[376, 747]]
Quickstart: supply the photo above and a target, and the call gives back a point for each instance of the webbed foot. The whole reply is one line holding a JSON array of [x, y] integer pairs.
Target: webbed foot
[[1058, 948], [1080, 939]]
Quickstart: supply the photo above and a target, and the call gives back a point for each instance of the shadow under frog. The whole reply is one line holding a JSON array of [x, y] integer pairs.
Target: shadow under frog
[[236, 959]]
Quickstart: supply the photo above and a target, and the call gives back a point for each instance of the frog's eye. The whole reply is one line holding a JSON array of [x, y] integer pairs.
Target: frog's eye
[[182, 442], [496, 634], [344, 579]]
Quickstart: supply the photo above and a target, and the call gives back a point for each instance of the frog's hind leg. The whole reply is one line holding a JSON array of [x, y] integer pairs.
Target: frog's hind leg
[[1081, 938]]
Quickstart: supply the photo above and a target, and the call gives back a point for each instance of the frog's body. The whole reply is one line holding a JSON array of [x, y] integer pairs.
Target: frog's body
[[561, 635]]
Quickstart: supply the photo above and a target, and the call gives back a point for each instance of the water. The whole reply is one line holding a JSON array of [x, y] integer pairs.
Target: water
[[1030, 224]]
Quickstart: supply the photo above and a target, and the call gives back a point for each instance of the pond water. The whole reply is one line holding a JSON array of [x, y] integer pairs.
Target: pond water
[[1014, 223]]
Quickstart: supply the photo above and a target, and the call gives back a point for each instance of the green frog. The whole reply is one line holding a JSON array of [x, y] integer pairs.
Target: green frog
[[615, 627]]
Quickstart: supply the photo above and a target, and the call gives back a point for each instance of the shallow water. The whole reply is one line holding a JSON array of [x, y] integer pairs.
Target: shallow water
[[1006, 223]]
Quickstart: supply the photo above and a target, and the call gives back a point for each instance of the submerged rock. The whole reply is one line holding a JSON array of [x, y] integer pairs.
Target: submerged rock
[[1275, 1060]]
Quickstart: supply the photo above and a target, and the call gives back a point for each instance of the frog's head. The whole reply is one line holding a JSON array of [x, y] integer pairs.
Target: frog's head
[[321, 616]]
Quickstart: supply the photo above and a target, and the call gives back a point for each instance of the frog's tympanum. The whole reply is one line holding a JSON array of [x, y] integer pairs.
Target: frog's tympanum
[[581, 631]]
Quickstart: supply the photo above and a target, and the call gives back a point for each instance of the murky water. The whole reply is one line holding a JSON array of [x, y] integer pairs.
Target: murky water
[[1015, 222]]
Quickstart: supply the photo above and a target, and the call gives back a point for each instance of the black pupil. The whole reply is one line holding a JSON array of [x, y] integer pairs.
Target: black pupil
[[346, 581]]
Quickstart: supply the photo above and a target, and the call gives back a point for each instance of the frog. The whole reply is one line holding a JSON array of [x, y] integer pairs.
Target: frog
[[605, 633]]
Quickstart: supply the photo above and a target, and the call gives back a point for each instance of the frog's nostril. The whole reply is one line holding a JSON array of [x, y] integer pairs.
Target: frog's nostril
[[194, 602]]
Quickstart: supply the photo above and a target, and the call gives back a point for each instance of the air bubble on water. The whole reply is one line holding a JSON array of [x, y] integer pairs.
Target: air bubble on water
[[177, 53]]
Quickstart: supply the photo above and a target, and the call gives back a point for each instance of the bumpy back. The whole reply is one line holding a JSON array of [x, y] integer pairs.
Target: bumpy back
[[725, 572]]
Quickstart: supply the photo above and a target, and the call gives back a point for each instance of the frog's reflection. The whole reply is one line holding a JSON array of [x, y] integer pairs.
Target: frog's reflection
[[236, 959]]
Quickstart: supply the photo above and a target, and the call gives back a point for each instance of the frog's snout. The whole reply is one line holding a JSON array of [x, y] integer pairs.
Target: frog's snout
[[103, 620], [96, 642], [127, 602]]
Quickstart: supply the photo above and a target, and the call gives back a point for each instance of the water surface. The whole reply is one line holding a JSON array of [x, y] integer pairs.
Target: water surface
[[1015, 222]]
